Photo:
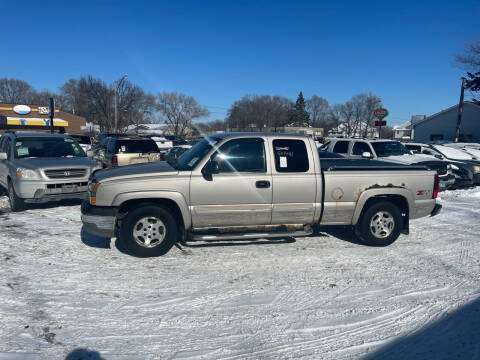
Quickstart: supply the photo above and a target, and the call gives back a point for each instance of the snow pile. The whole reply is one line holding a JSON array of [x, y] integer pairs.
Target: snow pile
[[319, 297]]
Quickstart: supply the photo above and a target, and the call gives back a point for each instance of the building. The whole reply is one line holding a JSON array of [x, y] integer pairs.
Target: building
[[354, 129], [442, 125], [36, 117]]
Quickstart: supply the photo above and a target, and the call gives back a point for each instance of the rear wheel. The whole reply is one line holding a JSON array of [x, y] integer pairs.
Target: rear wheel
[[149, 231], [380, 224], [16, 203]]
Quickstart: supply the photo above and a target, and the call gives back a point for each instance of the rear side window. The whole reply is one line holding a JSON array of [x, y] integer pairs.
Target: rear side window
[[360, 147], [290, 155], [136, 146], [243, 155], [341, 147]]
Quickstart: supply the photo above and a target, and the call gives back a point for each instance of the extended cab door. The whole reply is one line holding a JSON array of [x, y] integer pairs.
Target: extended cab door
[[241, 192], [295, 182]]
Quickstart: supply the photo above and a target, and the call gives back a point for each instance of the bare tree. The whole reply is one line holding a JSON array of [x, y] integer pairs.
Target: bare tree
[[318, 109], [259, 111], [179, 110], [14, 91], [470, 59]]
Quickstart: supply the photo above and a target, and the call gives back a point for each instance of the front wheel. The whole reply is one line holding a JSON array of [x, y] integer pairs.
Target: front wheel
[[16, 203], [149, 231], [380, 224]]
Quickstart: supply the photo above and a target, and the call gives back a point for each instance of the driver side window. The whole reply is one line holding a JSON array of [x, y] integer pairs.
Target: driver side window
[[242, 155]]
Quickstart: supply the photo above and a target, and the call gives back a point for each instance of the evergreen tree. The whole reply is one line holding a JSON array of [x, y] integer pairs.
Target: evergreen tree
[[300, 116]]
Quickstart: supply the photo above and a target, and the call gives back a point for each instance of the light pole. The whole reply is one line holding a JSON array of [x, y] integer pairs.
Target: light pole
[[115, 91], [460, 110]]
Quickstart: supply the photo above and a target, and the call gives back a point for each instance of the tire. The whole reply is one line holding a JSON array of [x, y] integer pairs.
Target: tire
[[149, 231], [16, 203], [380, 224]]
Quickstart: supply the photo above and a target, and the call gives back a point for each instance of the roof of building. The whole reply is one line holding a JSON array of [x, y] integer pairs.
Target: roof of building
[[469, 103]]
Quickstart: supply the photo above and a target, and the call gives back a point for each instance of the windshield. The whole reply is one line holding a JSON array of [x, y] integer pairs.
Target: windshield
[[137, 146], [389, 148], [85, 140], [43, 147], [191, 158]]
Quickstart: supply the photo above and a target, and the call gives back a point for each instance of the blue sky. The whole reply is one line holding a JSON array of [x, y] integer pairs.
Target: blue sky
[[219, 51]]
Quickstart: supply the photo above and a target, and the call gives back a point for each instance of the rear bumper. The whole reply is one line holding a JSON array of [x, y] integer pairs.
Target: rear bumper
[[436, 210], [99, 220]]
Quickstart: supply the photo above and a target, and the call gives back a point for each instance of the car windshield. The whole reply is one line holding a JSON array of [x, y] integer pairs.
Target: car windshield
[[389, 148], [85, 140], [43, 147], [136, 146], [191, 158]]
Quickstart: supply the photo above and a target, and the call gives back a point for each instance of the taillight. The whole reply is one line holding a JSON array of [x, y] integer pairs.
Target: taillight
[[114, 160], [436, 187]]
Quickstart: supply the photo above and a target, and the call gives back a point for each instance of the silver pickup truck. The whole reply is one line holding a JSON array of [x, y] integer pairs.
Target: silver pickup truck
[[253, 185]]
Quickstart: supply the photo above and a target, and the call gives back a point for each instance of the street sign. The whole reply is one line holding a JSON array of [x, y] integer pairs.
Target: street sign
[[380, 123], [380, 113]]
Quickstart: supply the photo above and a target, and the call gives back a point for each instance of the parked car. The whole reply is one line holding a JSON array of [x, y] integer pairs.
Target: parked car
[[256, 185], [102, 136], [390, 151], [128, 151], [175, 152], [176, 140], [42, 167], [471, 148], [464, 167], [85, 142], [163, 143]]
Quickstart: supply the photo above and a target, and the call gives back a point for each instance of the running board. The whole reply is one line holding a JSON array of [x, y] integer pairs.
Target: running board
[[251, 236]]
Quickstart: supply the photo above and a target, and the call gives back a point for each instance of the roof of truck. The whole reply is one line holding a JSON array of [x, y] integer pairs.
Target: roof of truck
[[254, 134]]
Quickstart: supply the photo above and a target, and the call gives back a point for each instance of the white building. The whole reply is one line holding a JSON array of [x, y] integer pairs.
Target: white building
[[442, 125]]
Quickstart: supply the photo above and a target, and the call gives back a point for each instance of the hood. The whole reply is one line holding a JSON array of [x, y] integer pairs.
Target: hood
[[55, 163], [410, 159], [136, 170]]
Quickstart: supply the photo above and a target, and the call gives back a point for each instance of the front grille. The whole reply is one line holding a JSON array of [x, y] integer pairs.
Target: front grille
[[65, 173], [69, 185]]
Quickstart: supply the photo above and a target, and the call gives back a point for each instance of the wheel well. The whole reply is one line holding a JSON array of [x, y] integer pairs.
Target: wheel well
[[167, 203], [398, 200]]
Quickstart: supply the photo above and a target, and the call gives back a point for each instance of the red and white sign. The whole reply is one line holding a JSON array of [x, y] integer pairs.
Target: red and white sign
[[380, 113]]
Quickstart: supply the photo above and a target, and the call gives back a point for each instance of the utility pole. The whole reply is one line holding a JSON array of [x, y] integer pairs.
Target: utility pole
[[115, 99], [460, 110]]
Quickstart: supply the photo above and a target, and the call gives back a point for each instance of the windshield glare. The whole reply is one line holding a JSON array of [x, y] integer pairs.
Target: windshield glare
[[389, 148], [191, 158], [43, 147]]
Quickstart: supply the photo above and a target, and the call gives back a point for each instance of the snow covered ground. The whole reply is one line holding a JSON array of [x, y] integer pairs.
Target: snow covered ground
[[63, 290]]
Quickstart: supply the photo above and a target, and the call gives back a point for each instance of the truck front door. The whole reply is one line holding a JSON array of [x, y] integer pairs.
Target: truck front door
[[240, 193]]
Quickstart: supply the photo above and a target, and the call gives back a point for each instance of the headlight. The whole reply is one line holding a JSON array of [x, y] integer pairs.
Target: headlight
[[455, 167], [476, 169], [27, 174], [449, 166]]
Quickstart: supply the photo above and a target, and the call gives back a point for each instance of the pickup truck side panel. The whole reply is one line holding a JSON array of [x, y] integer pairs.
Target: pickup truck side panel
[[346, 192]]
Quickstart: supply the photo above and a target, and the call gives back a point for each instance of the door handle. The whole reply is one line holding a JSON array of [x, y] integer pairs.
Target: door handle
[[262, 184]]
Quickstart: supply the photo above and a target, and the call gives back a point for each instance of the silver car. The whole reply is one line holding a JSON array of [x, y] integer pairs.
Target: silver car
[[42, 167]]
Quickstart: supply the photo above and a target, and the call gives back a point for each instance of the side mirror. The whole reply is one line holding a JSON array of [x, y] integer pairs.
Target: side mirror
[[3, 156], [438, 156], [367, 155], [211, 167]]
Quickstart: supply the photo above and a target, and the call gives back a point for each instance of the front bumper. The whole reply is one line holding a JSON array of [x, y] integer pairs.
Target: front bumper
[[99, 220], [436, 210], [39, 191], [476, 178]]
